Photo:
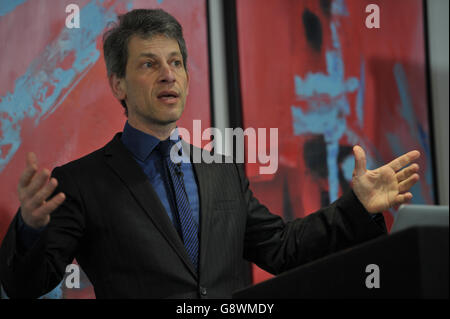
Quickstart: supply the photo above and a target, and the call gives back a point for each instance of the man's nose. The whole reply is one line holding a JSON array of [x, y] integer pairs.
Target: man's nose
[[167, 75]]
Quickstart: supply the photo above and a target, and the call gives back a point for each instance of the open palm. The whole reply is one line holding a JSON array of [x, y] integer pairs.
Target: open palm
[[386, 186]]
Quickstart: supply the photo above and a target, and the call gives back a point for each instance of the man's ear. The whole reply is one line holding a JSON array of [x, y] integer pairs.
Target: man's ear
[[118, 87]]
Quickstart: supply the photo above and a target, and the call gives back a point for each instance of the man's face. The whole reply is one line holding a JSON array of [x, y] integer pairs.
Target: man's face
[[156, 83]]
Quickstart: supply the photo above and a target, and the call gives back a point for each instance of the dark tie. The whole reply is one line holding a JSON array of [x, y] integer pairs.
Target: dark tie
[[189, 227]]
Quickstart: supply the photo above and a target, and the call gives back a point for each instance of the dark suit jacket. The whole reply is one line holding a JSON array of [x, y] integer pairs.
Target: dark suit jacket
[[113, 223]]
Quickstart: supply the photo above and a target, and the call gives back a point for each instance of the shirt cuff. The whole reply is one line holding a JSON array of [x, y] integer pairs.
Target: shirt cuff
[[27, 235]]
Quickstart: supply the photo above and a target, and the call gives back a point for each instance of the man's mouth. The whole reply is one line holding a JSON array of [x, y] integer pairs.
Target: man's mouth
[[168, 97]]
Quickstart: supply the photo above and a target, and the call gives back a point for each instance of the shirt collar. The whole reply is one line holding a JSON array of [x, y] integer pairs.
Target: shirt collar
[[142, 144]]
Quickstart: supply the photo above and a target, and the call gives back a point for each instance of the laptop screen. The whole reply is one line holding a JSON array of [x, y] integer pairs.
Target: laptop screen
[[420, 215]]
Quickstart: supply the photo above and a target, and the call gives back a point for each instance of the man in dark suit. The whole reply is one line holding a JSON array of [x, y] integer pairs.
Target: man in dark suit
[[143, 227]]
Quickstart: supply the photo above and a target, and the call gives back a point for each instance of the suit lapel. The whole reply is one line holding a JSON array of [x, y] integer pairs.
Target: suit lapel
[[123, 164]]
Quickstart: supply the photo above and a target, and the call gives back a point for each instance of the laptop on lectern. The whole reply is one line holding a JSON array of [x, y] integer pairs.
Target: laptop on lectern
[[420, 215]]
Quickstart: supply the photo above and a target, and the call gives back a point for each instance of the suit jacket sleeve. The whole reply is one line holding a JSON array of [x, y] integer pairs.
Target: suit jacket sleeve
[[34, 272], [277, 246]]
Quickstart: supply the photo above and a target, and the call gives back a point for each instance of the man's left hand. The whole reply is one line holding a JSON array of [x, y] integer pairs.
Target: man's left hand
[[386, 186]]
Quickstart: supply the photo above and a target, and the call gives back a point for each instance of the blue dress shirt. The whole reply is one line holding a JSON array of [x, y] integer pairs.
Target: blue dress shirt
[[142, 147]]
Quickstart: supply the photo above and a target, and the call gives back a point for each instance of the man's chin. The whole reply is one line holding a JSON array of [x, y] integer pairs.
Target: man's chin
[[169, 120], [162, 118]]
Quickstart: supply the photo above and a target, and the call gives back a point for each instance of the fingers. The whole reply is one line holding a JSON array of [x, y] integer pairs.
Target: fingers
[[360, 160], [407, 177], [50, 205], [407, 172], [410, 178], [39, 198], [404, 160], [408, 183], [29, 171], [34, 188], [37, 182], [402, 198], [31, 159]]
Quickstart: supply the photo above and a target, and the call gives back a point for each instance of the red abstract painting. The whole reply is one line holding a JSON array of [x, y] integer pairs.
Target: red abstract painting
[[316, 72], [54, 95]]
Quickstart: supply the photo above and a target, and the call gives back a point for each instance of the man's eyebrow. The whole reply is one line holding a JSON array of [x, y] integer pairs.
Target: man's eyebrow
[[154, 56]]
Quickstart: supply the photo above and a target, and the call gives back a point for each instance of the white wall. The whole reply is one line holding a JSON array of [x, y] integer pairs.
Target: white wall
[[219, 71], [439, 55]]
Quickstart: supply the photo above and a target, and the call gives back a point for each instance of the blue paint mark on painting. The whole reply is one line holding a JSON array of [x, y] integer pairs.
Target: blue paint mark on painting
[[395, 144], [338, 8], [361, 94], [333, 174], [406, 109], [331, 84], [160, 1], [347, 167], [416, 131], [323, 119], [45, 84], [8, 6], [327, 118], [56, 293]]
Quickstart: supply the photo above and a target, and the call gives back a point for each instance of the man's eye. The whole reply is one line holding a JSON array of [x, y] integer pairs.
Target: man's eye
[[177, 63], [148, 64]]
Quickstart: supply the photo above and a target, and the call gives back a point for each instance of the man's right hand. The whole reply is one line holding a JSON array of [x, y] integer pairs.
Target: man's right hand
[[34, 189]]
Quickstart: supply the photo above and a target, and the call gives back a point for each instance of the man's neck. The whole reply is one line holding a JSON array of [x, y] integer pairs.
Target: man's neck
[[161, 132]]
